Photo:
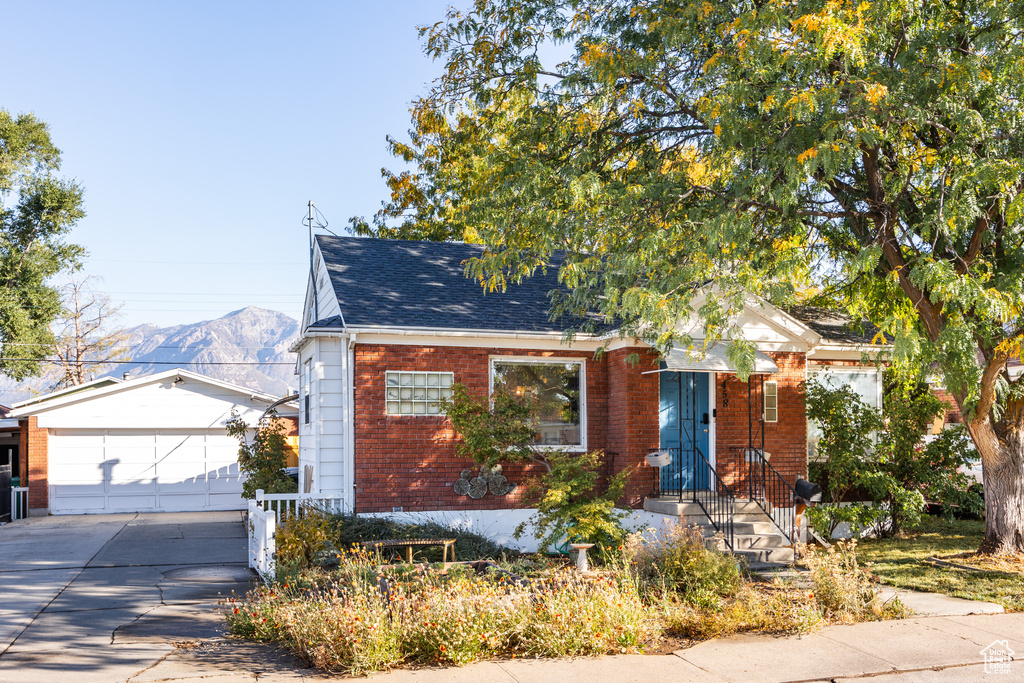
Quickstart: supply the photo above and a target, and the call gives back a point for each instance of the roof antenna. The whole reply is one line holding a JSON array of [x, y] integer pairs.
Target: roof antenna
[[315, 220]]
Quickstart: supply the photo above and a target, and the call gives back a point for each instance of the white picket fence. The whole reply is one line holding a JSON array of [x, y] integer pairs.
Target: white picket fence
[[264, 511], [262, 527], [19, 502]]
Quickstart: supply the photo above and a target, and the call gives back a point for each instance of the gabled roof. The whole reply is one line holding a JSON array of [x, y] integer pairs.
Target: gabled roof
[[837, 328], [97, 383], [65, 397], [409, 284]]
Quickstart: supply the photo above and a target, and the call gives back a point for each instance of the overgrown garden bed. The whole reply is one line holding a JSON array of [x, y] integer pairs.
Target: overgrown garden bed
[[345, 609]]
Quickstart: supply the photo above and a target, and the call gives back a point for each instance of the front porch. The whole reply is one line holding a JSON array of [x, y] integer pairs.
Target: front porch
[[716, 440]]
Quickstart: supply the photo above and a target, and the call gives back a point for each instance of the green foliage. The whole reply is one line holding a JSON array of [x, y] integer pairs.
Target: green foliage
[[847, 442], [349, 530], [300, 540], [491, 430], [570, 504], [683, 564], [866, 156], [262, 457], [37, 209], [899, 471], [933, 468]]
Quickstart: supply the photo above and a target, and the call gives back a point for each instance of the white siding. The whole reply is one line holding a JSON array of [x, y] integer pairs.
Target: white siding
[[324, 442], [160, 405]]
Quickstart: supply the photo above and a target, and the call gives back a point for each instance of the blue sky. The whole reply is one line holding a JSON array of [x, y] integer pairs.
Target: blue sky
[[200, 130]]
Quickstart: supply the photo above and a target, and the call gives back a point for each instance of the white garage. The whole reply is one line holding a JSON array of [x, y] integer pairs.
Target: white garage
[[153, 444]]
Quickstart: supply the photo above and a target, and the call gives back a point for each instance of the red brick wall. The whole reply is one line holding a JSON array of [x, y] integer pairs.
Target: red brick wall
[[786, 439], [35, 452], [410, 461], [633, 419], [953, 415]]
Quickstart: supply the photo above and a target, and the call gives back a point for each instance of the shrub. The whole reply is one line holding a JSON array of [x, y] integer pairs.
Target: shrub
[[301, 539], [570, 503], [348, 530], [899, 472], [778, 610], [570, 507], [843, 589], [683, 563], [262, 458]]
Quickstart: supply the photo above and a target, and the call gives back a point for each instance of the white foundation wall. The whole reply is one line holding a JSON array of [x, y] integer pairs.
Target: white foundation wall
[[500, 525]]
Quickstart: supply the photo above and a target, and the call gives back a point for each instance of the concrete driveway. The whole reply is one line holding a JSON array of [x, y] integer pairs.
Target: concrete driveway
[[106, 597]]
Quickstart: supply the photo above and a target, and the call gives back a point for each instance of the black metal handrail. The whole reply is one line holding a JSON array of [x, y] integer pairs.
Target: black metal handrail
[[772, 492], [702, 486], [717, 500]]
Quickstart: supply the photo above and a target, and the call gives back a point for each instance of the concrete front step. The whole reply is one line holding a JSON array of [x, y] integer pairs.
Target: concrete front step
[[756, 539], [675, 508], [760, 556]]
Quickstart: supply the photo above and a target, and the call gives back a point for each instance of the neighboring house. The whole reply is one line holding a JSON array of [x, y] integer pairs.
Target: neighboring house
[[10, 441], [151, 444], [390, 325]]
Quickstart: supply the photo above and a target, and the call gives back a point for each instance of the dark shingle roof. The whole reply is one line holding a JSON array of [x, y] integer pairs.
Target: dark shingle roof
[[402, 283], [836, 327]]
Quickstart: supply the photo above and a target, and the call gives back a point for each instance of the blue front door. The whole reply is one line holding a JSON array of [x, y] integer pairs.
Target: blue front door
[[685, 421]]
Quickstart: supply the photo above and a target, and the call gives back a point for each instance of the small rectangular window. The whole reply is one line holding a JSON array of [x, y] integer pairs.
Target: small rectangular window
[[771, 401], [307, 388], [416, 393]]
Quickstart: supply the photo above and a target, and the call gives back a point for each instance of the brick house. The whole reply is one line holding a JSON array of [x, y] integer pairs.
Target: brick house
[[390, 325]]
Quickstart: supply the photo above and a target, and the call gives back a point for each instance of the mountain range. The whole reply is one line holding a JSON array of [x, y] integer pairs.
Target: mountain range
[[254, 340]]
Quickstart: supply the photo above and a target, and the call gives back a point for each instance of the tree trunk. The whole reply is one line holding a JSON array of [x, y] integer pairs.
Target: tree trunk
[[1002, 460]]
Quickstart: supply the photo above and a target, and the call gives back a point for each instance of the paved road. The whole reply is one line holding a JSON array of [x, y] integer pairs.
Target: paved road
[[104, 597]]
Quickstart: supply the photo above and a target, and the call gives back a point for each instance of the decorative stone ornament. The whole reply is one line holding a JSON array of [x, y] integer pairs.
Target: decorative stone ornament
[[489, 479]]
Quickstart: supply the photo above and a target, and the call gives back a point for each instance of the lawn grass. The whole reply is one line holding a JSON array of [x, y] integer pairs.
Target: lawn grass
[[900, 562]]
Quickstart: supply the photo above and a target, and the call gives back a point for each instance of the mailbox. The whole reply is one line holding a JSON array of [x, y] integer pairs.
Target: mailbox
[[807, 493]]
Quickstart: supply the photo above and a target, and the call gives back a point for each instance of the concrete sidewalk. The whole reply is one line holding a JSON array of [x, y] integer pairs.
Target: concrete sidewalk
[[933, 649]]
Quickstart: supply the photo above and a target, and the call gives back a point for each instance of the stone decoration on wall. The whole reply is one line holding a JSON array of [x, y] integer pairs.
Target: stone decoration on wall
[[489, 479]]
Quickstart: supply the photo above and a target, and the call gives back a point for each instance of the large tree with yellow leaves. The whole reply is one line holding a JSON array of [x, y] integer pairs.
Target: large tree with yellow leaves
[[870, 152]]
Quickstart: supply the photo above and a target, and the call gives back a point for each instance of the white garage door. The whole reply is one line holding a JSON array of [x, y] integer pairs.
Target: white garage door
[[142, 471]]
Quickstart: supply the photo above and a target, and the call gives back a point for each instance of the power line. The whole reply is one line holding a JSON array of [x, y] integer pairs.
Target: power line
[[233, 301], [195, 263], [126, 291], [140, 362], [163, 346]]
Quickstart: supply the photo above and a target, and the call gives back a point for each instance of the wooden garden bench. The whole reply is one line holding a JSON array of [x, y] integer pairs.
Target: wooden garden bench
[[410, 544]]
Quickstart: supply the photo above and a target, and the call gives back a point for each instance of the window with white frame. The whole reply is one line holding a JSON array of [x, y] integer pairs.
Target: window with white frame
[[771, 401], [556, 387], [416, 393], [866, 382]]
